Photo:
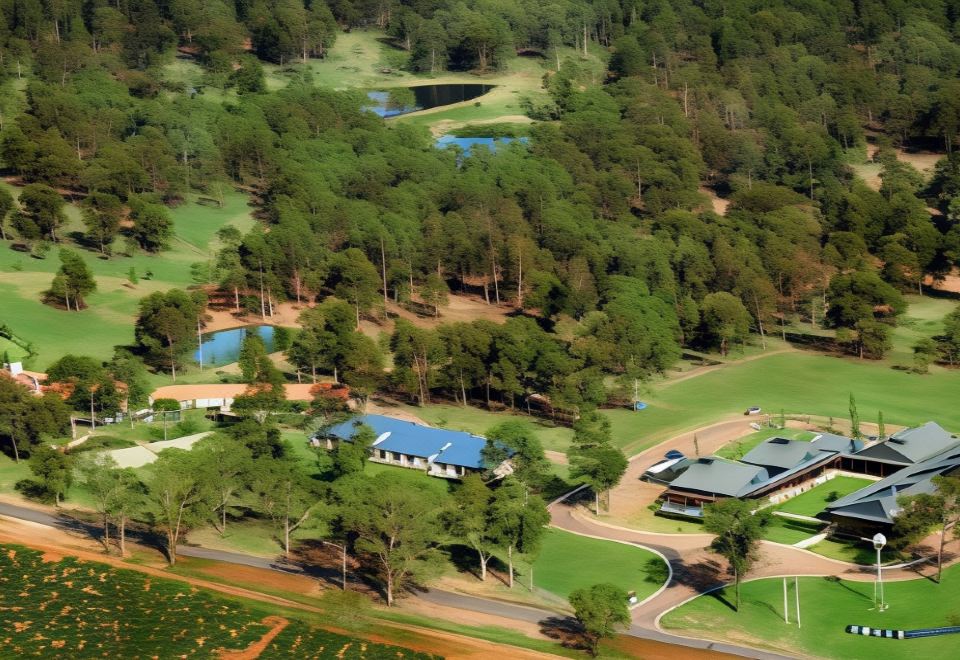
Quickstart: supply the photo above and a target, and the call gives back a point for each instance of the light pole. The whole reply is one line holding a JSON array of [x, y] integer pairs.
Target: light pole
[[879, 540], [343, 549]]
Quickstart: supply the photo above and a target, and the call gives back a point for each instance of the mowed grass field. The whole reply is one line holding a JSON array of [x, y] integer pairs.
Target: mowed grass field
[[827, 607], [568, 562], [109, 319], [798, 382], [77, 609], [814, 500]]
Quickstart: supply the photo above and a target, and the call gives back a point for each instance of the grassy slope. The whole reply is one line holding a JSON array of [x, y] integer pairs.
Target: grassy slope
[[109, 319], [827, 607], [797, 382]]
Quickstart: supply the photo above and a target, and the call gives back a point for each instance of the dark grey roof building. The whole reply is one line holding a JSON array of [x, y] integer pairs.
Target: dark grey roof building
[[873, 508], [911, 446], [716, 476], [780, 454]]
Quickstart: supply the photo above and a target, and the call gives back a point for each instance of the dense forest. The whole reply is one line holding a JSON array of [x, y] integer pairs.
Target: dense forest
[[596, 228]]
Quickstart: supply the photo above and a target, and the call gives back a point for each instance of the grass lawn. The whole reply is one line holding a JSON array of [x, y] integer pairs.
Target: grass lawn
[[923, 318], [12, 472], [854, 552], [108, 321], [85, 609], [645, 519], [816, 499], [412, 476], [797, 382], [568, 562], [828, 606], [788, 532], [738, 448]]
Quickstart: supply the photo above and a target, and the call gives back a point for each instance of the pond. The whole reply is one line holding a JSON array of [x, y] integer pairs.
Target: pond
[[403, 100], [223, 347], [466, 143]]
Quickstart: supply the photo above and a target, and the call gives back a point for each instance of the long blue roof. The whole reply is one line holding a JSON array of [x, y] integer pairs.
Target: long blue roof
[[445, 446]]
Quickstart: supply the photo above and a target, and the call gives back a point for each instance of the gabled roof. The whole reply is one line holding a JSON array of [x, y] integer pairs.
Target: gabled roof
[[912, 445], [839, 443], [720, 477], [779, 454], [878, 501], [436, 445]]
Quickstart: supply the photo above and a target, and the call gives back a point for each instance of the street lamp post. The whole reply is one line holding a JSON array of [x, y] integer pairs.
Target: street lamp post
[[879, 540]]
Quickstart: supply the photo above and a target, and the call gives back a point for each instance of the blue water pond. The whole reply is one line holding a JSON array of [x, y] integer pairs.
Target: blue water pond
[[466, 143], [223, 347], [423, 97]]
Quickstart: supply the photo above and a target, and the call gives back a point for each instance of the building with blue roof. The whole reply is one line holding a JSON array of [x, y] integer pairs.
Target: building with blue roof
[[439, 452]]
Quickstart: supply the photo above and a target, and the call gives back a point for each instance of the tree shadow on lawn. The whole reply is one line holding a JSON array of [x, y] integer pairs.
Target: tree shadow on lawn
[[833, 579], [566, 630], [325, 563]]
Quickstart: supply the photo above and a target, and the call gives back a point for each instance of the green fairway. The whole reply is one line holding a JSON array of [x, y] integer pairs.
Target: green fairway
[[827, 607], [108, 321], [568, 562], [816, 499], [72, 608], [797, 382]]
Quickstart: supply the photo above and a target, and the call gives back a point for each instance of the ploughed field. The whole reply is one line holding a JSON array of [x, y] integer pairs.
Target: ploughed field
[[72, 608]]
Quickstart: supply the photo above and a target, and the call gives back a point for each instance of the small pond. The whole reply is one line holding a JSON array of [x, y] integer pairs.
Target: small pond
[[466, 143], [223, 347], [403, 100]]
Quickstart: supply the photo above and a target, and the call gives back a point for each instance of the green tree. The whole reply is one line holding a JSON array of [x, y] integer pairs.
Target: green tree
[[7, 204], [601, 610], [53, 470], [949, 341], [854, 418], [285, 494], [174, 496], [167, 325], [356, 280], [41, 212], [227, 465], [152, 226], [738, 532], [471, 519], [252, 352], [395, 523], [924, 352], [435, 292], [101, 214], [351, 457], [520, 521], [725, 319], [515, 441], [73, 281], [27, 420]]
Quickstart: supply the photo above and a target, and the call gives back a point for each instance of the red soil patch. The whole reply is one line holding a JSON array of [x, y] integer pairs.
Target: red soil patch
[[254, 650]]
